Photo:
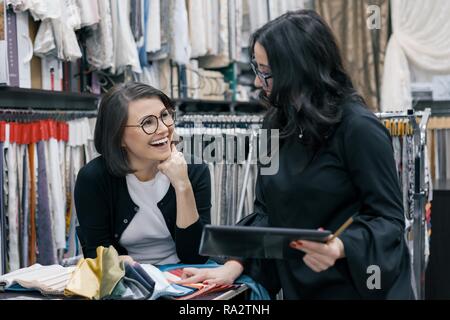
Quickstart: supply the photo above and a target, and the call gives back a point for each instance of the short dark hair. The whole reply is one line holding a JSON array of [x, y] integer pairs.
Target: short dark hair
[[113, 116], [309, 79]]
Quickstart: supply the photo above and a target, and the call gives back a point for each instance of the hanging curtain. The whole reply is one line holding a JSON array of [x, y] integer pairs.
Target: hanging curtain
[[125, 53], [180, 45], [421, 38], [277, 8], [197, 28], [362, 48], [219, 140], [39, 161], [258, 13]]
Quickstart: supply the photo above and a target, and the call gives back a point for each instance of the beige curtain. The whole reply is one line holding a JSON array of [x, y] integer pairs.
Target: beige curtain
[[362, 49]]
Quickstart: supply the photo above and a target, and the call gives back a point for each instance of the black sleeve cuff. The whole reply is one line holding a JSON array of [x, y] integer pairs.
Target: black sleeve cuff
[[187, 243]]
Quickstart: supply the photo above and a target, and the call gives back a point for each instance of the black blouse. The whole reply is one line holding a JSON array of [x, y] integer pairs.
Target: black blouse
[[354, 172], [104, 210]]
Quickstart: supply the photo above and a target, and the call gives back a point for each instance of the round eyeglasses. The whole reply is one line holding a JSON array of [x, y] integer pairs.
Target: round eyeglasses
[[150, 123], [263, 76]]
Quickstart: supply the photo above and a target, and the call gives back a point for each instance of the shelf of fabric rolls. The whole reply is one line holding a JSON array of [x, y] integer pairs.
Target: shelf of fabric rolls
[[22, 98]]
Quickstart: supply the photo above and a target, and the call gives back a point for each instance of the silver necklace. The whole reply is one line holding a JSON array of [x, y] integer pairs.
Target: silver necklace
[[301, 133]]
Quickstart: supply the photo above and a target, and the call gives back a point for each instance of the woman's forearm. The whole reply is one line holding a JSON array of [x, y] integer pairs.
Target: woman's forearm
[[235, 268], [186, 208]]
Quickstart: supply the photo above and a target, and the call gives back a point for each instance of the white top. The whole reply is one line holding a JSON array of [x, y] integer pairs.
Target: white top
[[147, 238]]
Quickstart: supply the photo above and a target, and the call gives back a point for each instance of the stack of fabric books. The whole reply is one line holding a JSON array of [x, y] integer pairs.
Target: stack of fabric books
[[48, 280]]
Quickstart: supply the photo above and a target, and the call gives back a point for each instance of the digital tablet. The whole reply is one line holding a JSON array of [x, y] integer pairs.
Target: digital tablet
[[255, 242]]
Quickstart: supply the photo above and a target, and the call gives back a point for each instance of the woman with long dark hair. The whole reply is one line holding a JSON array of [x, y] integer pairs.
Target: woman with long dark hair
[[335, 161]]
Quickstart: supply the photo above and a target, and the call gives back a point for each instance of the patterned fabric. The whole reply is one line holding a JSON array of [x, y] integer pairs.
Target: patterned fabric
[[99, 46], [362, 49], [45, 239], [32, 229]]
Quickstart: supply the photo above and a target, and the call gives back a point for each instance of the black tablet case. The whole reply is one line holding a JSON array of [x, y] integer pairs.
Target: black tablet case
[[255, 242]]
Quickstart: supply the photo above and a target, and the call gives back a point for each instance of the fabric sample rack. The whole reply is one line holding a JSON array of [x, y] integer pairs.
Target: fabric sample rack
[[227, 142], [409, 129], [41, 152]]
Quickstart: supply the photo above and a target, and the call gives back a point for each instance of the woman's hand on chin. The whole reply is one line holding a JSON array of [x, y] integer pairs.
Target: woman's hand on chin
[[175, 168]]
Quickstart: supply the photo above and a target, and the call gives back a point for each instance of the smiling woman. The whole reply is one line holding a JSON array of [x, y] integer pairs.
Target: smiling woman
[[155, 144], [140, 195]]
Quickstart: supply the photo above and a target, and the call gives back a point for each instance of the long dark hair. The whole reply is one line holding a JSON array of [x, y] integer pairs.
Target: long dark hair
[[113, 116], [309, 79]]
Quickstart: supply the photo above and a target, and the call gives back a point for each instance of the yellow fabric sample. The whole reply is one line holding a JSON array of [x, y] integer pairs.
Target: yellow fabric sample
[[96, 278]]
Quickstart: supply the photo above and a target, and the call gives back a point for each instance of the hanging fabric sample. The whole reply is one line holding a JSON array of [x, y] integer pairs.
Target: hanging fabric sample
[[220, 141], [37, 220]]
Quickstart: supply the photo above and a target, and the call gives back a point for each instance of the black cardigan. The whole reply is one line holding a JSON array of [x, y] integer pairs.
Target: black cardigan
[[354, 172], [104, 209]]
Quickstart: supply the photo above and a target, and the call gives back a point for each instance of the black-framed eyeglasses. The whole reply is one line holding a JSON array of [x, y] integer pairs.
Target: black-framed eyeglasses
[[150, 123], [263, 76]]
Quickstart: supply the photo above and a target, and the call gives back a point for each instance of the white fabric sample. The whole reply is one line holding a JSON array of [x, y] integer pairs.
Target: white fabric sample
[[238, 29], [153, 32], [180, 45], [277, 8], [100, 45], [89, 12], [45, 9], [72, 14], [51, 204], [44, 43], [211, 17], [197, 28], [421, 37], [56, 194], [222, 59], [89, 148], [66, 40], [13, 207], [56, 35], [125, 49], [246, 27], [258, 13], [50, 279], [80, 132], [231, 24]]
